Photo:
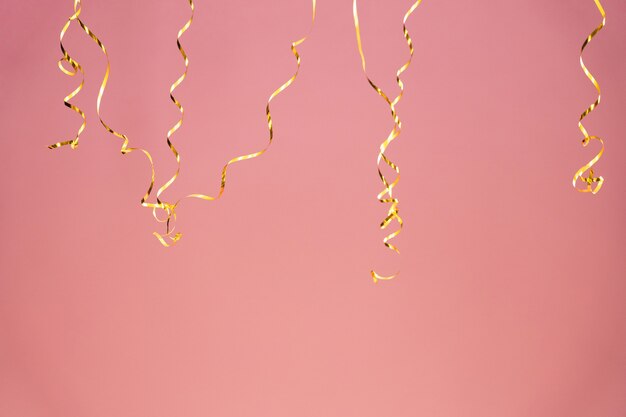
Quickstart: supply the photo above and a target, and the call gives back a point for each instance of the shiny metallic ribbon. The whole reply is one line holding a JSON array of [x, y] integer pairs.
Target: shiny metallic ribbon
[[125, 149], [167, 239], [170, 208], [386, 195], [76, 68], [590, 179]]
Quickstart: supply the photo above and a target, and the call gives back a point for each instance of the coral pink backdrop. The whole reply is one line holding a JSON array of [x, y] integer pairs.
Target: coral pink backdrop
[[511, 296]]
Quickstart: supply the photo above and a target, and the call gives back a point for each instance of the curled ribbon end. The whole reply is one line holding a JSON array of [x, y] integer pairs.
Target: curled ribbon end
[[589, 189], [600, 181], [173, 239], [589, 180], [73, 144], [377, 277]]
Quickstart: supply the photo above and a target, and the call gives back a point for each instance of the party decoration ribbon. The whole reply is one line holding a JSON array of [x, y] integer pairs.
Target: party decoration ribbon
[[169, 208], [125, 149], [76, 68], [386, 195], [167, 239], [590, 179]]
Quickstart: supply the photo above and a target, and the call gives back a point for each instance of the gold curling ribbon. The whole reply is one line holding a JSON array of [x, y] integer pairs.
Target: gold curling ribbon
[[76, 68], [125, 149], [386, 195], [171, 208], [590, 179]]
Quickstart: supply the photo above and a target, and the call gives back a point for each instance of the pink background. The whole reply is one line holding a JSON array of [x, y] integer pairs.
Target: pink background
[[511, 296]]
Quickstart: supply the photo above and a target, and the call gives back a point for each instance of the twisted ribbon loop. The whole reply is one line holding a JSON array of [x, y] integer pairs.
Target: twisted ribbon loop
[[386, 195], [590, 179], [168, 239], [76, 68]]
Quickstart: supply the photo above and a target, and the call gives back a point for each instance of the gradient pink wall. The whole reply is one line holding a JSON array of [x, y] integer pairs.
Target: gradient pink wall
[[511, 297]]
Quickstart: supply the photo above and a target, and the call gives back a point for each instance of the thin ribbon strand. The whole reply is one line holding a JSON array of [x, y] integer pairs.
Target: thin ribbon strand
[[76, 68], [169, 208], [386, 195], [166, 239], [590, 179], [125, 149]]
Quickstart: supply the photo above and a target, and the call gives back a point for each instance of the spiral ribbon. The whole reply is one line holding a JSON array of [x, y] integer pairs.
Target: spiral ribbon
[[590, 179], [386, 195], [76, 68], [167, 239], [169, 208], [125, 149]]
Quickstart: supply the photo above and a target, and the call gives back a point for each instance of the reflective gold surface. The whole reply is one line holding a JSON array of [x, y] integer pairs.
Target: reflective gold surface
[[386, 195], [590, 179]]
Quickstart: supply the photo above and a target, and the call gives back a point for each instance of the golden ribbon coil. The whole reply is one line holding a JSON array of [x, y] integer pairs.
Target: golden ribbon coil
[[76, 67], [386, 195], [171, 208], [125, 149], [590, 179]]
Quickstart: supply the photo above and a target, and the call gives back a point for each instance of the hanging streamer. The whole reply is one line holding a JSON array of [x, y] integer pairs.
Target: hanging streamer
[[590, 179], [76, 68], [170, 208], [125, 149], [386, 195], [167, 239]]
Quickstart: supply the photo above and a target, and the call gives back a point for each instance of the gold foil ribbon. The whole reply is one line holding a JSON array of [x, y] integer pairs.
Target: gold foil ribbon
[[125, 149], [386, 195], [76, 68], [171, 208], [590, 179]]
